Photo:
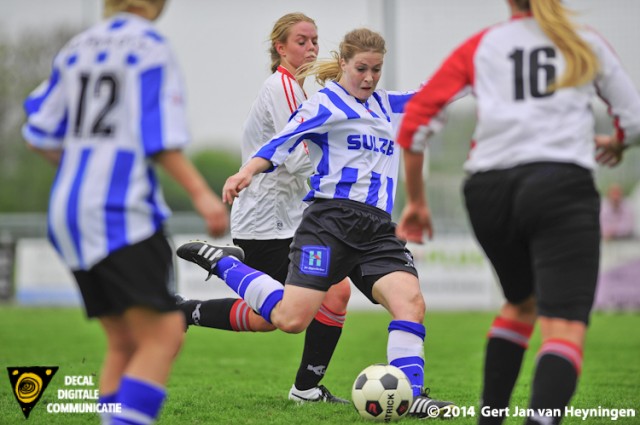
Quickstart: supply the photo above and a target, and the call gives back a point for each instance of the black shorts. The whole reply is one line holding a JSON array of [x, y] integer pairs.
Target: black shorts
[[344, 238], [139, 275], [270, 256], [539, 226]]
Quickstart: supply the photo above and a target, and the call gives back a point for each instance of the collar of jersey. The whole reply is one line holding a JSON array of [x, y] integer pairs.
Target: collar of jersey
[[362, 102], [365, 103], [286, 72], [523, 15]]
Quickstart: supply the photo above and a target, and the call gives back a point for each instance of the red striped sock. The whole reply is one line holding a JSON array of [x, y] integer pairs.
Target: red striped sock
[[239, 316]]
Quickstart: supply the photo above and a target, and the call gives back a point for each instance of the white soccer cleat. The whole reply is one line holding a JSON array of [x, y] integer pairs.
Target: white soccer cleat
[[315, 394]]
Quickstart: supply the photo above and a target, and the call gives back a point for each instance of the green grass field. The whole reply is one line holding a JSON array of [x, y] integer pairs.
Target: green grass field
[[231, 378]]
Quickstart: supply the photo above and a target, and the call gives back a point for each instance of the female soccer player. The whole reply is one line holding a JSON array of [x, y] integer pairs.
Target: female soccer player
[[346, 231], [530, 193], [264, 219], [112, 106]]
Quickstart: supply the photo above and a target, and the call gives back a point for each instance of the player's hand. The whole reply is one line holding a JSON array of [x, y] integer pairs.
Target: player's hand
[[414, 222], [609, 150], [235, 184], [213, 212]]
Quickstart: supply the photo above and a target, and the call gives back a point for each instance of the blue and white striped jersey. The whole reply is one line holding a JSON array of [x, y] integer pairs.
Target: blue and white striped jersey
[[114, 99], [351, 144]]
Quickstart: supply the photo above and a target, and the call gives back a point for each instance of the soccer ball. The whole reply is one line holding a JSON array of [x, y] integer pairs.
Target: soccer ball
[[382, 393]]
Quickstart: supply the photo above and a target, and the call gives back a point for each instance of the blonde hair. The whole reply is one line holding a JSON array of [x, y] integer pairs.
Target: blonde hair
[[111, 7], [280, 33], [354, 42], [553, 18]]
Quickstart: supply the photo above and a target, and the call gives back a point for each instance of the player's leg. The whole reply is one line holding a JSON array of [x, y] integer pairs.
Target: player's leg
[[269, 256], [321, 339], [158, 338], [399, 292], [136, 281], [507, 342], [260, 291], [120, 349], [566, 252], [230, 314], [489, 202]]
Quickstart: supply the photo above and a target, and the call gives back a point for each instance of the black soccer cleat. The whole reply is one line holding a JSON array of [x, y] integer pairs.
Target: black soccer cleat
[[206, 255], [424, 407], [315, 394]]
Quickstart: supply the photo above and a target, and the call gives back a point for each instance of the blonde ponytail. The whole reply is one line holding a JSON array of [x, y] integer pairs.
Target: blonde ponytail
[[322, 69], [582, 63]]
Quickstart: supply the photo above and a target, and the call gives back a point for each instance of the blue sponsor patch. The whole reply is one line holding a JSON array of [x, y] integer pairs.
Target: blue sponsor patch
[[315, 260]]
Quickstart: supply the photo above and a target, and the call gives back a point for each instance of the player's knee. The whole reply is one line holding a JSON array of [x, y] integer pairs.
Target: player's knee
[[338, 297], [293, 325], [123, 344], [524, 312], [411, 307]]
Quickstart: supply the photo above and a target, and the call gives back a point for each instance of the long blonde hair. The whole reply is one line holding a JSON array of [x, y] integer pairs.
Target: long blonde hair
[[111, 7], [280, 33], [553, 18], [356, 41]]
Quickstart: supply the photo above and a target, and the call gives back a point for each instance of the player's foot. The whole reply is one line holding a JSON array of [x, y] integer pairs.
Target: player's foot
[[319, 393], [207, 255], [190, 309], [424, 407]]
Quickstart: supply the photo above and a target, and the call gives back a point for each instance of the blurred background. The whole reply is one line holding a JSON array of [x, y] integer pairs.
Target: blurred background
[[222, 48]]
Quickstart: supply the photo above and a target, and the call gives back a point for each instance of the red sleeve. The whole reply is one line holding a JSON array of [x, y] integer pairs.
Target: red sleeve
[[454, 74]]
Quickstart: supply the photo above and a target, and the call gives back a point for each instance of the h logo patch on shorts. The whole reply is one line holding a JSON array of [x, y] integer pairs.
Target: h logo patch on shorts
[[315, 260]]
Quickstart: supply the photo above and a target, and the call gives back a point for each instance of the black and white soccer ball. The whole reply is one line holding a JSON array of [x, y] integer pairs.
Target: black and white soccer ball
[[382, 393]]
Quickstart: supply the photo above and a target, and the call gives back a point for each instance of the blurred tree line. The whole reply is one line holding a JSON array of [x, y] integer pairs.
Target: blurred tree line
[[25, 177]]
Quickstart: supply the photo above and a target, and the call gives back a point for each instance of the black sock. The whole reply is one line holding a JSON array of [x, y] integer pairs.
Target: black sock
[[319, 344], [209, 313], [502, 363], [554, 383]]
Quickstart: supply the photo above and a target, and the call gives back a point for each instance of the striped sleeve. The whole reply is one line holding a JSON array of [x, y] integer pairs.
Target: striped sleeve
[[163, 117], [311, 118], [453, 76], [46, 113]]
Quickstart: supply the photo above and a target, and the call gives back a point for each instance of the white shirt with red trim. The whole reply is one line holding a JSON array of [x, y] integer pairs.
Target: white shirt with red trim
[[271, 207], [508, 68]]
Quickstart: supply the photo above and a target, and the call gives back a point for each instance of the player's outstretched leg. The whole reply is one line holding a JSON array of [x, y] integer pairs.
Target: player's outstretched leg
[[260, 291], [229, 314]]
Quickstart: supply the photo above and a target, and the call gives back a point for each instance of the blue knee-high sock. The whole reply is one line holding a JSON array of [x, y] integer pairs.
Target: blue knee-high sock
[[140, 402], [405, 350], [105, 414], [260, 291]]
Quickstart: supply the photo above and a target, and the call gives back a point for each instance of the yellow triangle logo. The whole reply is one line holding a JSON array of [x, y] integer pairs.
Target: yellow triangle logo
[[28, 384]]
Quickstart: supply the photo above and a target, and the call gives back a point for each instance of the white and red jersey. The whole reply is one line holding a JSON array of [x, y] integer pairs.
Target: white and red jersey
[[271, 207], [508, 68]]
